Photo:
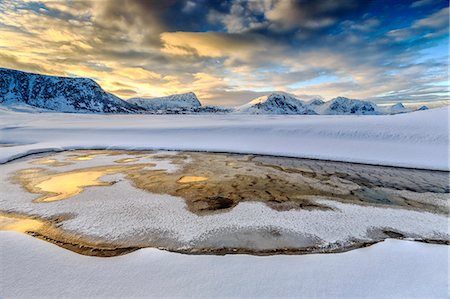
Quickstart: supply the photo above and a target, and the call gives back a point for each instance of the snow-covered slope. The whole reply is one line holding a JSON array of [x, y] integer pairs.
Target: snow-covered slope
[[61, 94], [342, 105], [275, 103], [391, 269], [178, 103], [417, 139]]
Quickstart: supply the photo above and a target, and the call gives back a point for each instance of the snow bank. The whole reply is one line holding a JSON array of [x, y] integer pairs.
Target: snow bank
[[391, 269], [418, 139]]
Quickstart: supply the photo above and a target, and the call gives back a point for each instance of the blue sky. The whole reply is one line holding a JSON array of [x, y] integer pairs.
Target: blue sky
[[230, 51]]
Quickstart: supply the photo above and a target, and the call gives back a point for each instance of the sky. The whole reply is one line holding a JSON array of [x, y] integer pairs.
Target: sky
[[229, 52]]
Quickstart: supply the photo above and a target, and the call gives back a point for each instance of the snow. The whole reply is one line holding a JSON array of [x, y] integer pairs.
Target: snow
[[417, 139], [391, 269]]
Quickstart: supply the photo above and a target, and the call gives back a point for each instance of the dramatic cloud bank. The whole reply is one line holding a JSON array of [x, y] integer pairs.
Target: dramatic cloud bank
[[230, 51]]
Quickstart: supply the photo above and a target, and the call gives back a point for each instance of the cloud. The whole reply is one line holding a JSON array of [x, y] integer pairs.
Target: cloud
[[211, 44], [14, 63], [138, 74], [143, 20], [123, 92], [241, 16], [432, 26], [289, 15], [233, 50], [421, 3], [438, 22], [364, 25]]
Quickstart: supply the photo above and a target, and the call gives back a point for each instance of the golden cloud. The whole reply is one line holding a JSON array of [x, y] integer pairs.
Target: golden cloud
[[210, 44]]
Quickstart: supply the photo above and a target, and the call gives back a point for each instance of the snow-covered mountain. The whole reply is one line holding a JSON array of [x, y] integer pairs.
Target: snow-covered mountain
[[400, 108], [316, 102], [283, 103], [342, 106], [178, 103], [61, 94], [276, 103], [396, 109]]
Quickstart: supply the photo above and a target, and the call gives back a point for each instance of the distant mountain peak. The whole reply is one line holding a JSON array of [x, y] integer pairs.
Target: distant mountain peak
[[398, 105], [177, 103], [398, 108], [276, 103]]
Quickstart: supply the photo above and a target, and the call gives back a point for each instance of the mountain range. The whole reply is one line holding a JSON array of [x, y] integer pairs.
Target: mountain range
[[27, 91]]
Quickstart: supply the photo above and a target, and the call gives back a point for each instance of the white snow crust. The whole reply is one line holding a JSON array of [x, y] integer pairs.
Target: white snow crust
[[417, 139], [392, 269]]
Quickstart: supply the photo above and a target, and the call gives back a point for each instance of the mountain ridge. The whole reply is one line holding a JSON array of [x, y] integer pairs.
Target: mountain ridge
[[276, 103], [63, 94], [177, 103], [83, 95]]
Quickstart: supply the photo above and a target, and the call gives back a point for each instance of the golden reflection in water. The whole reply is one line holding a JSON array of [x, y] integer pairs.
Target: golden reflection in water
[[62, 186], [44, 161], [52, 162], [147, 157], [31, 171], [21, 225], [126, 160], [191, 179], [85, 157]]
